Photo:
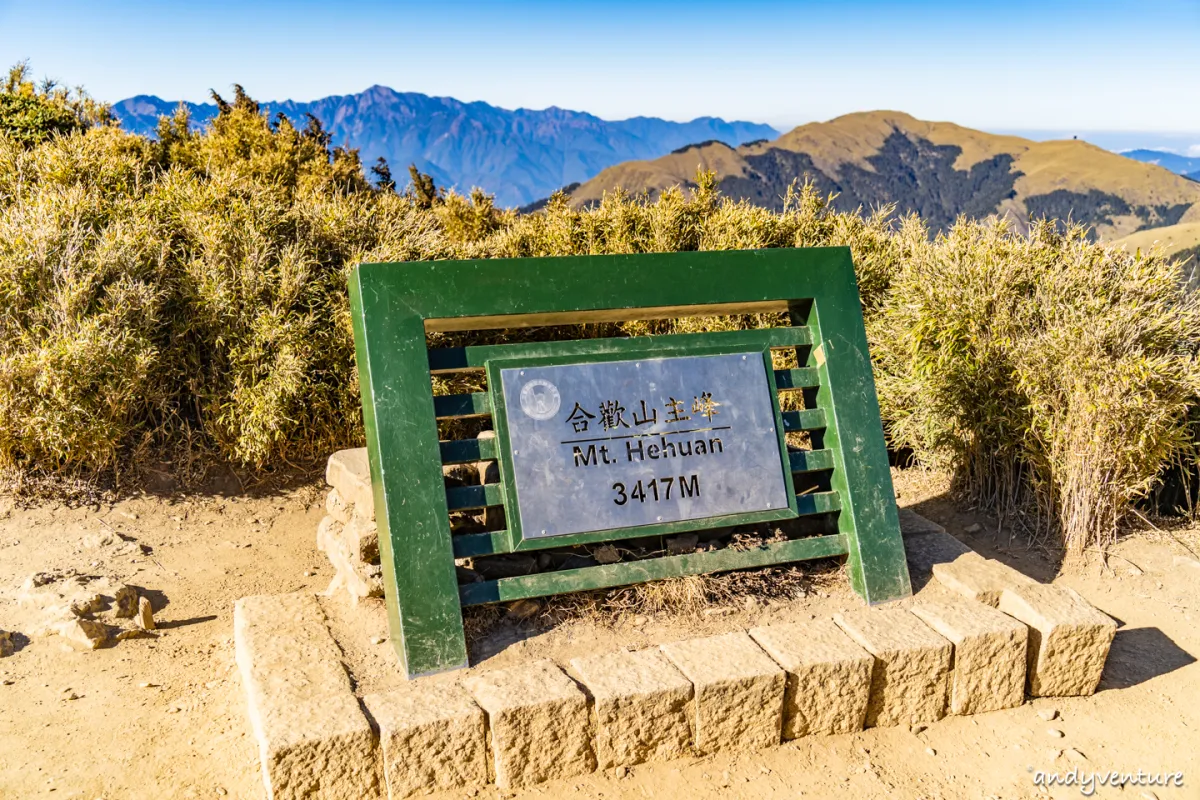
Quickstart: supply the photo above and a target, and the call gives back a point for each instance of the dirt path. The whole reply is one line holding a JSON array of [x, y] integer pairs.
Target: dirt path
[[164, 718]]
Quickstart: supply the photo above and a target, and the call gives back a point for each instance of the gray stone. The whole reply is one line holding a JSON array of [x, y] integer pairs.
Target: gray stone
[[913, 524]]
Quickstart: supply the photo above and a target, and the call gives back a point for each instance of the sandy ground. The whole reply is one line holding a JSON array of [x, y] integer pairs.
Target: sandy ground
[[164, 717]]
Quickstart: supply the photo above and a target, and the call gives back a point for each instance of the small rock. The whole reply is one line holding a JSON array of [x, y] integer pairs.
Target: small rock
[[1055, 732], [379, 640], [639, 621], [308, 573], [717, 612], [88, 606], [523, 609], [1149, 795], [83, 634], [606, 554], [7, 682], [6, 645], [931, 751], [1048, 714], [127, 602], [70, 695], [973, 528], [145, 614], [621, 772], [1075, 755], [917, 728], [682, 544]]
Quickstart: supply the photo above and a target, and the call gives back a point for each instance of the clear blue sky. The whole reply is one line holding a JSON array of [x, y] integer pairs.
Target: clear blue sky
[[1011, 65]]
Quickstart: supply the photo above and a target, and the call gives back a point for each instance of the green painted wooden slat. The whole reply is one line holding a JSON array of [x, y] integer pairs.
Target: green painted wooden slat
[[488, 543], [796, 378], [453, 359], [465, 451], [494, 542], [817, 503], [461, 498], [810, 419], [448, 406], [650, 569], [810, 460]]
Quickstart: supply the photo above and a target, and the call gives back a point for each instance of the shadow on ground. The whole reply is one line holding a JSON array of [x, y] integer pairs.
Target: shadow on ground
[[1140, 654]]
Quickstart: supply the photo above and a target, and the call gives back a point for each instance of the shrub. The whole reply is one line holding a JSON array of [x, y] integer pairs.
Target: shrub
[[1039, 368], [187, 295]]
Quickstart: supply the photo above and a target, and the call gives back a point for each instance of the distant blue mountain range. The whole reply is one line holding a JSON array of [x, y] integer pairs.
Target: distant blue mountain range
[[1184, 165], [520, 156]]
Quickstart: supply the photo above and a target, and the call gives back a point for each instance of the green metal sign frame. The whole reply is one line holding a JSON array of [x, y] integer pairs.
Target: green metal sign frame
[[394, 306]]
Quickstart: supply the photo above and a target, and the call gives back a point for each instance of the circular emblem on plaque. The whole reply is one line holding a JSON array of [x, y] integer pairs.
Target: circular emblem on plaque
[[540, 399]]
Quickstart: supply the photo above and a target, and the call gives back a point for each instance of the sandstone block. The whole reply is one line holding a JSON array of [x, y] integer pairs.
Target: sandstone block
[[349, 472], [346, 546], [738, 702], [539, 723], [828, 677], [641, 705], [913, 524], [432, 738], [1068, 638], [337, 507], [988, 673], [313, 738], [979, 578], [909, 679]]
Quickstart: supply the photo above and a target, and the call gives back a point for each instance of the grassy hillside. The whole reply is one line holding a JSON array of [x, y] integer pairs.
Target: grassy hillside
[[936, 169]]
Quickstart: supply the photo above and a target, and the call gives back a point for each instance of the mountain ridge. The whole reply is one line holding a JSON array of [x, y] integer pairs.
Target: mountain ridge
[[520, 155], [939, 170]]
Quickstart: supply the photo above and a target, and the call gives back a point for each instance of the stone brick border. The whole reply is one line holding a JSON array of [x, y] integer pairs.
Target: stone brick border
[[523, 725]]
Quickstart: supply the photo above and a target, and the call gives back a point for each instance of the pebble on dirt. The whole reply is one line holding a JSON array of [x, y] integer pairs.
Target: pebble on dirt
[[6, 644]]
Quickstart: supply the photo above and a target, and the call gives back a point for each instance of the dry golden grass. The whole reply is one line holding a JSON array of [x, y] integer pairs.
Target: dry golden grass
[[185, 298]]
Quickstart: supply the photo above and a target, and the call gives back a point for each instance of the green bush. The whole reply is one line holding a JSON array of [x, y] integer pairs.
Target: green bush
[[1040, 368], [186, 297]]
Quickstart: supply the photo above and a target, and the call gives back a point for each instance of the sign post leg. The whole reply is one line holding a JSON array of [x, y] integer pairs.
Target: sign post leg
[[861, 475], [424, 612]]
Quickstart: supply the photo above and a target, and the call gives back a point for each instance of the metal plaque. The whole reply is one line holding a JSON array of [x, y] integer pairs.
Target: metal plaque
[[621, 444]]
